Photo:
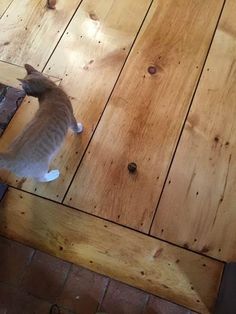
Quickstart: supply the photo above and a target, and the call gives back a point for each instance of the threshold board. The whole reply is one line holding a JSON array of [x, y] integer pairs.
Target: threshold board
[[173, 273]]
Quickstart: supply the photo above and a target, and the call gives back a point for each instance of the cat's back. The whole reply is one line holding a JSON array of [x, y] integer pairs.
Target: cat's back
[[45, 133]]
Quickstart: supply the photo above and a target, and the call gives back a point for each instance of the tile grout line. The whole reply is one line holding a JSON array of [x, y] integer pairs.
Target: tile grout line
[[104, 295], [108, 100], [186, 117], [146, 303], [26, 267]]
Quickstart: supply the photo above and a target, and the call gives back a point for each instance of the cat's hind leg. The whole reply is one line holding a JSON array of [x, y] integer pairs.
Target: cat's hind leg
[[77, 127], [50, 176]]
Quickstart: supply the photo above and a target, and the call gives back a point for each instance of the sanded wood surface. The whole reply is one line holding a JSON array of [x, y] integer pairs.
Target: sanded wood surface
[[143, 119], [30, 31], [160, 268], [198, 206], [93, 49], [4, 5]]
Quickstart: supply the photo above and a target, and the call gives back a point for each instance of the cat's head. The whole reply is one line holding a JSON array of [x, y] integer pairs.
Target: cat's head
[[35, 83]]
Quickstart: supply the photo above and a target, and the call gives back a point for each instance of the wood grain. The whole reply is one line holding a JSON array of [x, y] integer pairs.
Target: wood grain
[[30, 31], [143, 119], [4, 5], [173, 273], [198, 206], [94, 49]]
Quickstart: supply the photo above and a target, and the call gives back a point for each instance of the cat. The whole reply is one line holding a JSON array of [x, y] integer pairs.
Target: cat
[[30, 153]]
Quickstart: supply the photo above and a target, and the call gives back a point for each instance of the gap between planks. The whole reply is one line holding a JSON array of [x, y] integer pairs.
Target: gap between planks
[[185, 119]]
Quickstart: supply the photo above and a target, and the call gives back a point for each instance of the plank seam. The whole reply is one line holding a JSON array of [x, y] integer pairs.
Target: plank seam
[[186, 116], [59, 40], [108, 100], [6, 8]]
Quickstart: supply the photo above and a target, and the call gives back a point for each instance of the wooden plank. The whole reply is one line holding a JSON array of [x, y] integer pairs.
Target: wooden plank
[[4, 4], [173, 273], [108, 29], [198, 206], [30, 31], [9, 74], [226, 302], [143, 119]]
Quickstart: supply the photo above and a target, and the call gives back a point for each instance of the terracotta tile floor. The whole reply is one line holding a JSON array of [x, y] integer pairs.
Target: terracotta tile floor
[[32, 281]]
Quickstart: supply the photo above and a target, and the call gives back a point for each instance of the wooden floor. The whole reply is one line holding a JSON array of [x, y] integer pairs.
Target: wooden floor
[[154, 83]]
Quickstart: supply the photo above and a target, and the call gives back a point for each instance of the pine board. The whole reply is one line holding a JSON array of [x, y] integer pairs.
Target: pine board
[[198, 206], [4, 5], [144, 117], [173, 273], [30, 31], [108, 29]]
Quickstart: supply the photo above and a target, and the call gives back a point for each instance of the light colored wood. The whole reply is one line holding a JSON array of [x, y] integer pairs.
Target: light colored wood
[[30, 31], [108, 29], [9, 74], [198, 207], [4, 5], [173, 273], [145, 114]]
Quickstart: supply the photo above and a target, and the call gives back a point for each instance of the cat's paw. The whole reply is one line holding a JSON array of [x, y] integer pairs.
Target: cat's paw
[[80, 128], [51, 175]]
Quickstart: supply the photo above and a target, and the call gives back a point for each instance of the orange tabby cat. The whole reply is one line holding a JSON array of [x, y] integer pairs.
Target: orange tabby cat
[[31, 152]]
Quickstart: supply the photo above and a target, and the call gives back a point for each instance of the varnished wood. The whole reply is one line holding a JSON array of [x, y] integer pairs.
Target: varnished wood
[[198, 206], [93, 51], [30, 31], [160, 268], [143, 119]]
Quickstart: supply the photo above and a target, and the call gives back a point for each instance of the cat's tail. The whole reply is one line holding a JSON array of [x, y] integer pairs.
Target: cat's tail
[[4, 160]]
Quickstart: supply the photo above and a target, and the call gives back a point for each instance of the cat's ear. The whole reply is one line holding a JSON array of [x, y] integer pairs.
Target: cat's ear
[[30, 69]]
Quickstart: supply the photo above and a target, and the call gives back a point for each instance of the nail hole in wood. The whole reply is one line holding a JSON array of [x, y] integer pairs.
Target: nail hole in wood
[[132, 167]]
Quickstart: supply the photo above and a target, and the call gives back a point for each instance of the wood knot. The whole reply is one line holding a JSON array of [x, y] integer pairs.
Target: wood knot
[[93, 16], [152, 70], [51, 4], [158, 253], [205, 249], [132, 167]]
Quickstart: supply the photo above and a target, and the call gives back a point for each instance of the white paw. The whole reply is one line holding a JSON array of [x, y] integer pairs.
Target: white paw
[[51, 175], [79, 127]]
